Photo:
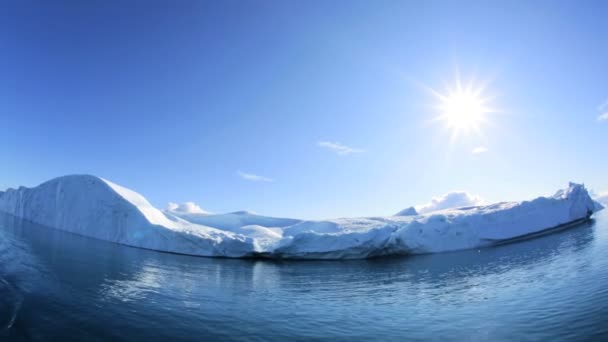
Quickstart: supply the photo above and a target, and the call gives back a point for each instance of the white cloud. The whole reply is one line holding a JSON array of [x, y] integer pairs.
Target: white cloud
[[603, 109], [339, 148], [252, 177], [479, 149], [603, 106], [454, 199], [186, 208]]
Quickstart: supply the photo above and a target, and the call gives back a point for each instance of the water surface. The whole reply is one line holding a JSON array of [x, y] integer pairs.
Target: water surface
[[59, 286]]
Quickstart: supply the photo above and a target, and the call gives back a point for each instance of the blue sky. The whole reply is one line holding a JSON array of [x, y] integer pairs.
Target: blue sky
[[303, 108]]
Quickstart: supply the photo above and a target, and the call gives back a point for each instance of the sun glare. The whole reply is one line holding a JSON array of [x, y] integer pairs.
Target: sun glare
[[463, 110]]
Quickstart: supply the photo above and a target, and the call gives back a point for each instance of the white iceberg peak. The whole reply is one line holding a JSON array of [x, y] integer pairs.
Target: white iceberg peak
[[411, 211]]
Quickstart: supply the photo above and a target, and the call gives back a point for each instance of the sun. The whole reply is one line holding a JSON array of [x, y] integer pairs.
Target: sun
[[463, 109]]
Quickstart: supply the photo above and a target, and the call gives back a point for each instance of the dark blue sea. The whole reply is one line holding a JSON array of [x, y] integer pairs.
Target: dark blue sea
[[56, 286]]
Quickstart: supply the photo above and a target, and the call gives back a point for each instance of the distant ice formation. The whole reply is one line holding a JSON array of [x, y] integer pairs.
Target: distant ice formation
[[411, 211], [94, 207], [602, 198]]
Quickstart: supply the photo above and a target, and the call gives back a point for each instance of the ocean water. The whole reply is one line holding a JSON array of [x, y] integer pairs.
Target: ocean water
[[59, 286]]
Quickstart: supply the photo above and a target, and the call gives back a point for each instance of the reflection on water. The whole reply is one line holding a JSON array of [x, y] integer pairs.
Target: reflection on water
[[10, 303], [58, 285]]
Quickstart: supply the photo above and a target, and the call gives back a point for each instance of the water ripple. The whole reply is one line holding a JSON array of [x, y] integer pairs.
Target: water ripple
[[55, 285]]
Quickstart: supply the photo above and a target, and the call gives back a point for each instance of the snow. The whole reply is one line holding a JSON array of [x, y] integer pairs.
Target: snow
[[235, 220], [94, 207], [265, 230]]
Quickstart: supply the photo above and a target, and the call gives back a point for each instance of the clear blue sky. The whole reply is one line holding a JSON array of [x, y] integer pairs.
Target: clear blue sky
[[174, 98]]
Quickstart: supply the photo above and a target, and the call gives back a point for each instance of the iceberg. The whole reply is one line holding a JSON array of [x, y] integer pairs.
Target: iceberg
[[411, 211], [95, 207]]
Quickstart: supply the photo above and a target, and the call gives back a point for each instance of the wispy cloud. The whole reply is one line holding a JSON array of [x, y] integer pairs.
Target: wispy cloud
[[253, 177], [603, 106], [339, 148], [603, 109], [479, 149]]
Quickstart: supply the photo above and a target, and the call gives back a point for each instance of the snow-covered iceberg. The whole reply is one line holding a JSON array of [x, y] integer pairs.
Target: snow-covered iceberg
[[97, 208], [94, 207]]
